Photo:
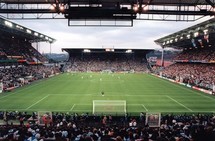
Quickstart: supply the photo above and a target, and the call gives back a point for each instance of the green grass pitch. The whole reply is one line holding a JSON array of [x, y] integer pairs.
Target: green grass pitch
[[75, 92]]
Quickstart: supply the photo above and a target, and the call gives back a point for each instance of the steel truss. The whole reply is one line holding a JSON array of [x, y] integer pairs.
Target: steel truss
[[146, 9]]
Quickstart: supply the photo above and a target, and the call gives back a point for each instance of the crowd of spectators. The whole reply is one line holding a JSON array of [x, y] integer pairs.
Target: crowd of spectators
[[202, 54], [85, 127], [201, 75], [194, 67], [17, 76], [104, 62], [12, 48], [16, 55]]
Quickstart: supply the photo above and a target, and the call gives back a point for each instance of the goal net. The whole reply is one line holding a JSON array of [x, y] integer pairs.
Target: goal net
[[109, 106]]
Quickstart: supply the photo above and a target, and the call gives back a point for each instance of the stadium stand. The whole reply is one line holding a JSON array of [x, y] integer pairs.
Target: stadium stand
[[83, 127], [17, 76], [12, 48], [201, 75], [20, 62], [18, 56], [101, 60], [194, 65]]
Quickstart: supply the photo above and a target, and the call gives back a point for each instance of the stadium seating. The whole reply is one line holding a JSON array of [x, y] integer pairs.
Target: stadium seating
[[110, 62], [13, 77], [194, 67], [83, 127]]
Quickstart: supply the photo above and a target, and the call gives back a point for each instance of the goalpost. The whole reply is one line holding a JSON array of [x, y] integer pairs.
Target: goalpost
[[109, 106]]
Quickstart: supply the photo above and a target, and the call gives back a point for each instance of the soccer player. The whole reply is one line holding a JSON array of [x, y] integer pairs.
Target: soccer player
[[102, 93]]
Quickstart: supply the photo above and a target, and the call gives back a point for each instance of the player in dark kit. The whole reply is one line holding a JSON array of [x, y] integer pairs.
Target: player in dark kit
[[102, 93]]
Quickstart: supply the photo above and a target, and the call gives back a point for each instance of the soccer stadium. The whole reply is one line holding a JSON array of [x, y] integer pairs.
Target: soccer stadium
[[107, 93]]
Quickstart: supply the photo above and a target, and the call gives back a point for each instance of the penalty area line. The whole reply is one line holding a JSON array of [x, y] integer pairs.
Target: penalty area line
[[179, 103], [145, 108], [72, 107], [37, 102]]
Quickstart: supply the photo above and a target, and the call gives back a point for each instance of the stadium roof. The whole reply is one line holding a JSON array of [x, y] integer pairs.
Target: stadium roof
[[104, 50], [183, 37], [23, 32], [151, 2], [169, 10]]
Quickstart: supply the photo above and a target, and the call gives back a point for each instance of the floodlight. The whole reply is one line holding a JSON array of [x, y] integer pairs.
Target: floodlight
[[61, 8], [136, 7], [145, 8], [28, 31], [53, 7], [128, 51], [9, 24], [87, 50], [35, 33], [19, 27]]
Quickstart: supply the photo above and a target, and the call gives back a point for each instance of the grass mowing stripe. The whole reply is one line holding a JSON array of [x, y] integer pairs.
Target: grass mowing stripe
[[71, 94], [72, 107], [37, 102], [180, 103], [95, 94], [137, 89], [145, 108]]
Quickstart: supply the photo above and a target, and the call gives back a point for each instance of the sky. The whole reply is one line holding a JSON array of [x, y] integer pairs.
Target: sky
[[140, 36]]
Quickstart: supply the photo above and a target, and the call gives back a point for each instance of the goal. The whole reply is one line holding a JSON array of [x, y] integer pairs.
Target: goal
[[109, 106]]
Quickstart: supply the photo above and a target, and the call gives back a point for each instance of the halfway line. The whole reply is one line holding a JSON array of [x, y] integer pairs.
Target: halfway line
[[37, 102], [179, 103]]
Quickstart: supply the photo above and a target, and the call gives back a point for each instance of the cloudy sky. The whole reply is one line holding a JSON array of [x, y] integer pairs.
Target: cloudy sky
[[141, 35]]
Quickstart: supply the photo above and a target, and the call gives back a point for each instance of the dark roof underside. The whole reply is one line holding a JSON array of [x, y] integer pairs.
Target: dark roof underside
[[151, 2]]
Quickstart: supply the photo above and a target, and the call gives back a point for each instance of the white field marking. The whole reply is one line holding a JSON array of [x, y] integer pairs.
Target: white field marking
[[189, 89], [144, 95], [81, 111], [84, 104], [145, 108], [133, 104], [37, 102], [63, 110], [72, 107], [59, 94], [180, 103], [60, 110], [98, 94]]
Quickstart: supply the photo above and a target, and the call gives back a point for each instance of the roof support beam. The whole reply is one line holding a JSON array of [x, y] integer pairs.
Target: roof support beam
[[210, 3]]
